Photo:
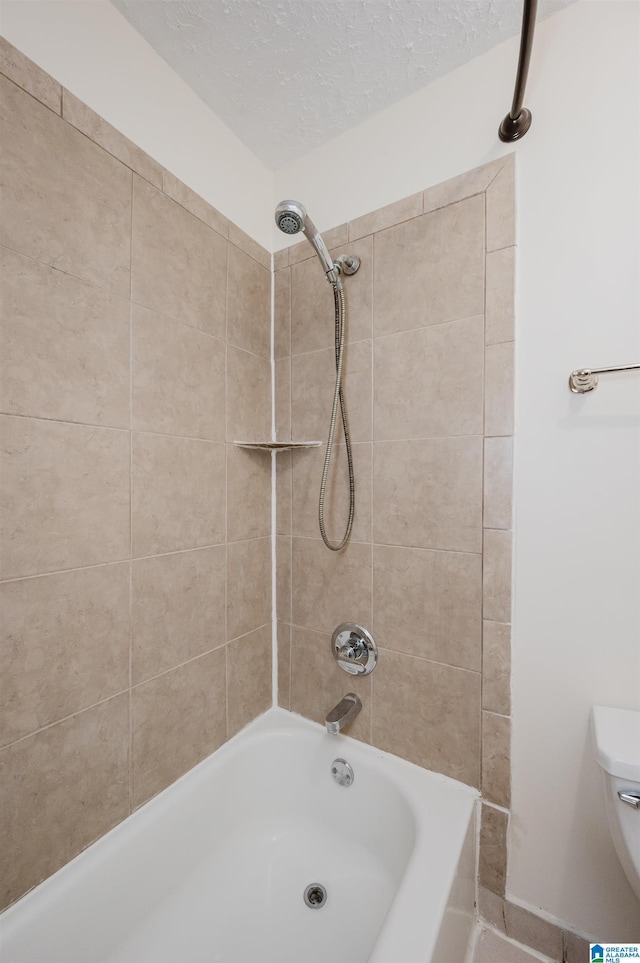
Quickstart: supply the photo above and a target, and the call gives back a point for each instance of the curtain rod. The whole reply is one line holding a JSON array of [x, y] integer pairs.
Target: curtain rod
[[518, 120]]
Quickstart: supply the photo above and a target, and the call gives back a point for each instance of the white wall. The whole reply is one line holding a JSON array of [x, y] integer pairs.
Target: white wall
[[577, 472], [92, 50]]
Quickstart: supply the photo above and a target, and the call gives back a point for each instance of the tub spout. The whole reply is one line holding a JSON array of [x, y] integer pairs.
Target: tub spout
[[342, 714]]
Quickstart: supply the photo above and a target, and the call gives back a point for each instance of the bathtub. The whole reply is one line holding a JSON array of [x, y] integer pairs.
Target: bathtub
[[215, 868]]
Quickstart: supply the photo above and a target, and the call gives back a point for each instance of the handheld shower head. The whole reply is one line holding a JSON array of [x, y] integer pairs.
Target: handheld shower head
[[291, 218]]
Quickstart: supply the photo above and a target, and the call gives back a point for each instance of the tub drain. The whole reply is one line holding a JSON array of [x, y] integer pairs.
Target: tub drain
[[315, 896]]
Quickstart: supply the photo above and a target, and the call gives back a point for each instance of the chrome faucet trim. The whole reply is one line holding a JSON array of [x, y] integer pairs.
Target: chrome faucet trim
[[342, 714]]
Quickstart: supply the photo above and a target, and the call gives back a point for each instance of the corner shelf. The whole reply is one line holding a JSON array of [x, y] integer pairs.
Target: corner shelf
[[277, 445]]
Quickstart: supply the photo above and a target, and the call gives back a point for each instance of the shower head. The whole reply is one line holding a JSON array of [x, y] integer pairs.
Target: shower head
[[291, 218]]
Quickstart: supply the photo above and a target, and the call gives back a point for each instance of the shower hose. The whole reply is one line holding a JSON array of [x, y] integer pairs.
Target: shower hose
[[338, 399]]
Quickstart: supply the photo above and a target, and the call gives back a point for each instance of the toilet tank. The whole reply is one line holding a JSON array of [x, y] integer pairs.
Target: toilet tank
[[616, 734]]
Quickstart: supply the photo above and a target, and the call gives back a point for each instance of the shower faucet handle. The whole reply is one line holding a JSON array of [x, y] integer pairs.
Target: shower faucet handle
[[354, 649]]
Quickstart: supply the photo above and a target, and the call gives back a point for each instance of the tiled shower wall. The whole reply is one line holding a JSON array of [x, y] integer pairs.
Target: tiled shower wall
[[136, 587], [429, 390]]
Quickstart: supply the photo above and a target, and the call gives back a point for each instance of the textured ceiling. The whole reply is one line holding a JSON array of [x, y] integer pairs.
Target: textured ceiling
[[288, 75]]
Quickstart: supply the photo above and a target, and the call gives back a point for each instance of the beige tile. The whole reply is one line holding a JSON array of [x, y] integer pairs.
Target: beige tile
[[302, 251], [576, 949], [249, 246], [429, 714], [59, 791], [281, 259], [428, 604], [248, 586], [388, 216], [330, 587], [430, 269], [307, 475], [178, 494], [497, 576], [248, 304], [492, 867], [499, 388], [500, 295], [464, 185], [498, 482], [67, 645], [491, 908], [282, 313], [501, 208], [248, 493], [177, 719], [336, 235], [283, 399], [312, 302], [65, 495], [178, 378], [178, 609], [76, 113], [58, 331], [428, 494], [313, 378], [178, 264], [318, 683], [248, 396], [26, 74], [492, 948], [192, 202], [496, 759], [284, 665], [496, 668], [66, 201], [248, 678], [429, 382], [533, 931], [283, 572], [283, 491]]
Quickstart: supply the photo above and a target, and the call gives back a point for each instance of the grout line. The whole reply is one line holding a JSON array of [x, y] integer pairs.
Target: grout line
[[428, 327], [131, 430], [72, 715], [59, 421], [131, 366], [76, 277], [274, 505], [412, 548], [38, 100], [121, 561], [226, 688]]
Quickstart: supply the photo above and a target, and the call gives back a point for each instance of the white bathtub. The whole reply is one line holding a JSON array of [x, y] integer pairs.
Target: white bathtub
[[213, 870]]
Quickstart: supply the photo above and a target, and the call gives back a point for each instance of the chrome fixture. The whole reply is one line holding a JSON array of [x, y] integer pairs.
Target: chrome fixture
[[342, 772], [347, 264], [354, 649], [342, 714], [315, 895], [630, 798], [586, 379], [291, 218]]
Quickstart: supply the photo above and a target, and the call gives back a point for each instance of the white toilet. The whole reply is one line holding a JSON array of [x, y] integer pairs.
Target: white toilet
[[616, 734]]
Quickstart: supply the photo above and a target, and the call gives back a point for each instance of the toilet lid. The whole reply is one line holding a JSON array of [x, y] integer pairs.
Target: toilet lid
[[617, 737]]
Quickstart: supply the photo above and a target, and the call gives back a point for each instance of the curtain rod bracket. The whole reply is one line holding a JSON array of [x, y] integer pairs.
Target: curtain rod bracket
[[518, 120]]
